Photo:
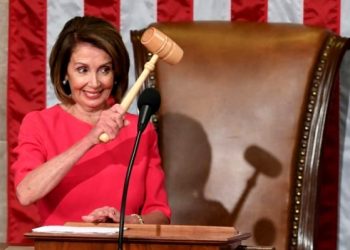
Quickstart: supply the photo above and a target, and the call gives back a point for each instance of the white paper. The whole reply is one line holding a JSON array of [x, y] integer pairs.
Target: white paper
[[73, 229]]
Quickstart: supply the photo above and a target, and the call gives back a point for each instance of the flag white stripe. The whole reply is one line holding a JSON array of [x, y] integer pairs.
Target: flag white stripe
[[58, 13], [344, 204], [344, 18], [135, 15], [288, 11], [344, 192], [211, 10]]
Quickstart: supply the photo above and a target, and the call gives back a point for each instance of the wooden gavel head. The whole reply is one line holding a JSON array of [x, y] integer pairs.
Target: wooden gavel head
[[158, 43]]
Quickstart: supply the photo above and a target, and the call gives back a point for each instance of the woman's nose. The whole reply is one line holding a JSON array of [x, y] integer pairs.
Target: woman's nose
[[94, 81]]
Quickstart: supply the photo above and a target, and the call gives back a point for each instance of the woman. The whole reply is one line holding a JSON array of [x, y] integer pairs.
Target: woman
[[62, 166]]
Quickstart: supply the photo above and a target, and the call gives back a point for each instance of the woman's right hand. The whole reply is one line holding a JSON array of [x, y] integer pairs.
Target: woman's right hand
[[110, 122]]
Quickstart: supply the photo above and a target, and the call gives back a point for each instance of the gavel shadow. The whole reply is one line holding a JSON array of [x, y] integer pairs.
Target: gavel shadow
[[267, 165], [186, 154], [264, 164]]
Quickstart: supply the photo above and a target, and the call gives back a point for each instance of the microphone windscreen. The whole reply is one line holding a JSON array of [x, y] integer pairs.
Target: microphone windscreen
[[150, 97]]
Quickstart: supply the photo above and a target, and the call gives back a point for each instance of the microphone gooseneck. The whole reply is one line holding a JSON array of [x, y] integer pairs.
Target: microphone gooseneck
[[148, 103]]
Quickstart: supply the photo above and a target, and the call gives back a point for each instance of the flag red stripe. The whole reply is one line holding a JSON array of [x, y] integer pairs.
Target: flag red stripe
[[252, 10], [107, 9], [26, 92], [174, 11], [322, 13]]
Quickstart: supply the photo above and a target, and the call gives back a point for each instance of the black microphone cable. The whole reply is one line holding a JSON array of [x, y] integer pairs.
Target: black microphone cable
[[148, 103]]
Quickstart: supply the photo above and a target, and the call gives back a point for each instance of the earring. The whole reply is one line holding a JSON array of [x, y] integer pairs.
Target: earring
[[64, 82]]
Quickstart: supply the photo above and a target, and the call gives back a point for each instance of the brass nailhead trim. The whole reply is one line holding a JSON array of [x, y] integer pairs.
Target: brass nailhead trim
[[304, 142]]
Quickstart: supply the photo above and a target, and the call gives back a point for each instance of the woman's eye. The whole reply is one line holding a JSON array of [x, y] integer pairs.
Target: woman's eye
[[82, 69], [106, 69]]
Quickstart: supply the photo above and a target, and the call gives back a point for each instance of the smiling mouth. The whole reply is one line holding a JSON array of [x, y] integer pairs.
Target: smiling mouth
[[92, 94]]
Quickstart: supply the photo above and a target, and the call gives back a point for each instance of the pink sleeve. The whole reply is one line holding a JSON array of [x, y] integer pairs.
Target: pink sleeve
[[156, 198], [29, 152]]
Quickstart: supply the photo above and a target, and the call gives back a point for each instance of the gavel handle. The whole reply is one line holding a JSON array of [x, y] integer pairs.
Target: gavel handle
[[134, 90]]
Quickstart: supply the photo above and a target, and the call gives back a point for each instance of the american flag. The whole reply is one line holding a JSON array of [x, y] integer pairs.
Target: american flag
[[33, 25]]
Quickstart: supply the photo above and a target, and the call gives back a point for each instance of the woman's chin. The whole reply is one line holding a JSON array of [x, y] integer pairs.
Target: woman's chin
[[95, 105]]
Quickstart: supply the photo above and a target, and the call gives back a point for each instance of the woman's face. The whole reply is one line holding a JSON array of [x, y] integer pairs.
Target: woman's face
[[90, 75]]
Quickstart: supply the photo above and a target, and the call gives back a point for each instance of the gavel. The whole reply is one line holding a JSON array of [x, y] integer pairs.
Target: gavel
[[162, 47]]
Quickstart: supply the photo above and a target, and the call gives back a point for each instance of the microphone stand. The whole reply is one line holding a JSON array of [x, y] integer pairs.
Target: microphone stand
[[125, 190]]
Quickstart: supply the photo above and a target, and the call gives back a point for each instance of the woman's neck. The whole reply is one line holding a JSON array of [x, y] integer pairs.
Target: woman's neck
[[90, 116]]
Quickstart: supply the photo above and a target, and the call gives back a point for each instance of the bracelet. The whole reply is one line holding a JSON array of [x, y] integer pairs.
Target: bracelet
[[139, 218]]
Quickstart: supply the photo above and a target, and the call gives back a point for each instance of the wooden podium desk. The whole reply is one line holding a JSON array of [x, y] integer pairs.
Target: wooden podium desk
[[144, 237]]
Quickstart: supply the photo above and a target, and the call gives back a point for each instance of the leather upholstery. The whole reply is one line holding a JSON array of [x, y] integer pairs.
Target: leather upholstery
[[241, 124]]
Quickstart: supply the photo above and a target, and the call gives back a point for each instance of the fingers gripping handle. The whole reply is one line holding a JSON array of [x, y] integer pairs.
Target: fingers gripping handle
[[133, 91], [162, 47]]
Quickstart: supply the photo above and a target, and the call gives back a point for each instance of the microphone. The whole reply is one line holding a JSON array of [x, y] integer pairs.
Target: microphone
[[148, 103]]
